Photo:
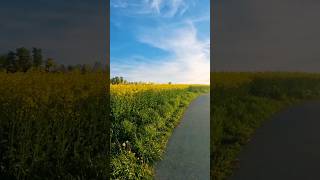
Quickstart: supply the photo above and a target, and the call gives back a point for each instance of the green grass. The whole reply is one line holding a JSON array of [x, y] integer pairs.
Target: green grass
[[53, 125], [141, 127], [241, 102]]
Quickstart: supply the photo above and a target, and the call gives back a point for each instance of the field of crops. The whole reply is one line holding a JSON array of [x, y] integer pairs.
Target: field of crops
[[53, 125], [240, 102], [143, 117]]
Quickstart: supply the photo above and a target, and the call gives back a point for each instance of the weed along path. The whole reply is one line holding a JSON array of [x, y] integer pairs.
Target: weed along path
[[286, 147], [188, 151]]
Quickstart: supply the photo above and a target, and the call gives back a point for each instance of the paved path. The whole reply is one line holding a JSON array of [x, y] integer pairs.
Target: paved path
[[188, 150], [284, 148]]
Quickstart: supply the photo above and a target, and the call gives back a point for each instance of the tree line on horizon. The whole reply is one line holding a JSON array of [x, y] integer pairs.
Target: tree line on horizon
[[121, 80], [23, 60]]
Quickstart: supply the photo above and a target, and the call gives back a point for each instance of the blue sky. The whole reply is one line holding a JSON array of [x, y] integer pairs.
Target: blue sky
[[160, 40]]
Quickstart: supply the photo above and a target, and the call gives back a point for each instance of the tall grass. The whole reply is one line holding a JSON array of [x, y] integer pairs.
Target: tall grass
[[242, 101], [53, 126], [143, 118]]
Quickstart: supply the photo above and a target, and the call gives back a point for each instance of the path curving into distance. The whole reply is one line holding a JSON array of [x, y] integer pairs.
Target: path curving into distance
[[188, 150], [286, 147]]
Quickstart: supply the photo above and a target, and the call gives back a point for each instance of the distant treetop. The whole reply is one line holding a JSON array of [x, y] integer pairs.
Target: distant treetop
[[23, 60]]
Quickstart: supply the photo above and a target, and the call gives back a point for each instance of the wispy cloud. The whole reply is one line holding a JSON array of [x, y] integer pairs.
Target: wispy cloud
[[119, 3], [163, 8], [188, 60], [155, 5]]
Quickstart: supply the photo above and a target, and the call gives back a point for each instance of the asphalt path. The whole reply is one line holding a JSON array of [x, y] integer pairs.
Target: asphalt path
[[285, 147], [188, 151]]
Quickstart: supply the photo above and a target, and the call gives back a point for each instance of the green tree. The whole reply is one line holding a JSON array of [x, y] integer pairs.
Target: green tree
[[97, 67], [118, 80], [50, 65], [114, 80], [76, 68], [24, 59], [37, 57], [86, 68], [11, 63], [70, 68], [121, 80], [62, 68], [3, 62]]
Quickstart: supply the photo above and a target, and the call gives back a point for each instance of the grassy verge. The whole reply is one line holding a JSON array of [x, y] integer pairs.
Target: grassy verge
[[53, 125], [142, 122], [241, 102]]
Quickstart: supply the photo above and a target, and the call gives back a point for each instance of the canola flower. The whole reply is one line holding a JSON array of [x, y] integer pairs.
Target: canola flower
[[125, 89], [47, 118], [143, 117]]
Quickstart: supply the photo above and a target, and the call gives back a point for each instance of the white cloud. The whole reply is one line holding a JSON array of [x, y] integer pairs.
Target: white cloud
[[188, 62], [155, 5], [119, 3], [163, 8], [177, 6]]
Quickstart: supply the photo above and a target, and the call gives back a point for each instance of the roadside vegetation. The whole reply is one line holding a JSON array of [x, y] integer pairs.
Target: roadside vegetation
[[241, 102], [53, 119], [53, 125], [143, 117]]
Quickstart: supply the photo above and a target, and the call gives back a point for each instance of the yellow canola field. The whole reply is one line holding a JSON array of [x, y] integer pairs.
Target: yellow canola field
[[122, 89]]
